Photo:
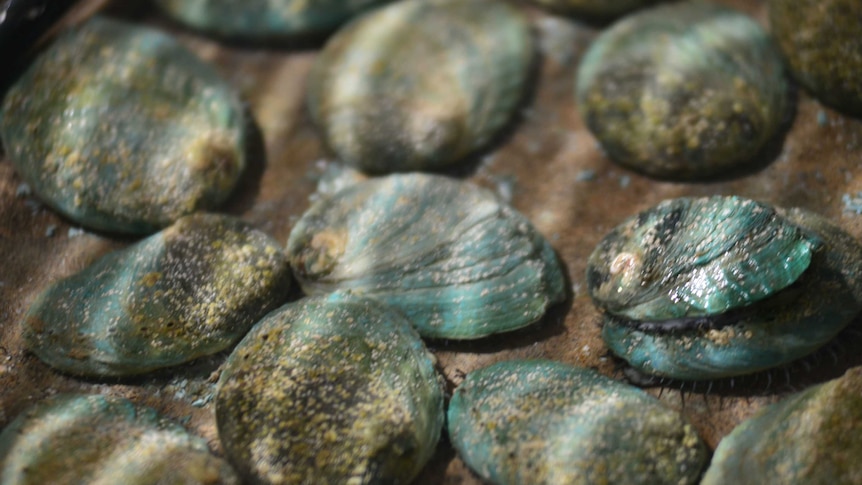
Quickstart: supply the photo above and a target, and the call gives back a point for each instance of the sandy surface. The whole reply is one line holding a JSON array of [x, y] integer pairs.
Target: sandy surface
[[541, 165]]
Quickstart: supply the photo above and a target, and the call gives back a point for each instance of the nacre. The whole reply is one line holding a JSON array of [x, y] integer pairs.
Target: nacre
[[420, 85], [542, 422], [121, 129], [822, 42], [812, 437], [455, 260], [190, 290], [264, 19], [96, 439], [722, 286], [595, 9], [683, 91], [334, 389]]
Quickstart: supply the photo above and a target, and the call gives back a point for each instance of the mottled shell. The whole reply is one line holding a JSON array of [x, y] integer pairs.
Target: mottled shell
[[541, 422], [419, 85], [122, 129], [683, 91], [595, 9], [188, 291], [822, 42], [264, 19], [723, 286], [335, 389], [812, 437], [455, 260], [101, 440]]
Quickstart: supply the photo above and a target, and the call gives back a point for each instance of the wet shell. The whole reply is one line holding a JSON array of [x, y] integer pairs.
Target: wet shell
[[420, 85], [822, 42], [722, 286], [455, 260], [188, 291], [595, 9], [812, 437], [104, 440], [541, 422], [683, 91], [264, 19], [121, 129], [335, 389]]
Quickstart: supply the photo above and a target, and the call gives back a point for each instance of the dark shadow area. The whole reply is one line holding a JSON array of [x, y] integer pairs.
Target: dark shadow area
[[248, 186]]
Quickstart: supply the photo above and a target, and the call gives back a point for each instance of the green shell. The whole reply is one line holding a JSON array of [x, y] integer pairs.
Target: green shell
[[264, 19], [723, 286], [455, 260], [188, 291], [541, 422], [811, 437], [595, 9], [103, 440], [122, 129], [419, 85], [683, 91], [822, 42], [335, 389]]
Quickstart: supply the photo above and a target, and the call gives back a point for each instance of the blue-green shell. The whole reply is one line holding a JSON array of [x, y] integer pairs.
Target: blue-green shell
[[450, 256], [334, 389], [94, 439], [190, 290], [537, 422], [121, 129], [420, 85]]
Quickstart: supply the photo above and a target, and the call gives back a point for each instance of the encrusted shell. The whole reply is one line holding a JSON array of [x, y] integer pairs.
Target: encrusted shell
[[455, 260], [264, 19], [683, 91], [595, 9], [419, 85], [542, 422], [335, 389], [188, 291], [122, 129], [722, 286], [822, 42], [812, 437], [103, 440]]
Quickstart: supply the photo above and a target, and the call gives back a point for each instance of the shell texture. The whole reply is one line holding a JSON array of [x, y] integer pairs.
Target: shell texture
[[121, 129], [450, 256], [102, 440], [542, 422], [822, 42], [722, 286], [264, 19], [595, 9], [683, 91], [190, 290], [420, 85], [811, 437], [334, 389]]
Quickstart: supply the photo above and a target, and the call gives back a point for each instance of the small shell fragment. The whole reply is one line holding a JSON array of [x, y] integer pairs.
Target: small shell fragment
[[188, 291]]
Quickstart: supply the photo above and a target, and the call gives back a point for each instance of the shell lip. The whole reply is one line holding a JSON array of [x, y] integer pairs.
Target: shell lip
[[679, 325]]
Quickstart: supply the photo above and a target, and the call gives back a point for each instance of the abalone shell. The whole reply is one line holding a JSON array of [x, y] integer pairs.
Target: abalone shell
[[121, 129], [542, 422], [458, 262], [688, 90], [420, 85], [334, 389], [190, 290]]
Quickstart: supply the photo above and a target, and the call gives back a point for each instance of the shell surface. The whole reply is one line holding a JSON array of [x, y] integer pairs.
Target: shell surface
[[811, 437], [185, 292], [822, 42], [722, 286], [532, 422], [420, 85], [335, 389], [122, 129], [98, 439], [596, 9], [264, 18], [455, 260], [683, 91]]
